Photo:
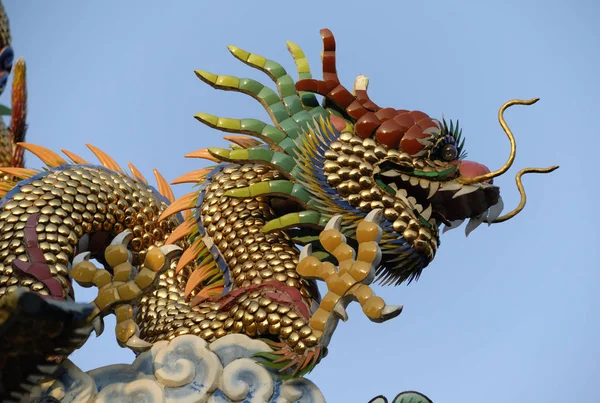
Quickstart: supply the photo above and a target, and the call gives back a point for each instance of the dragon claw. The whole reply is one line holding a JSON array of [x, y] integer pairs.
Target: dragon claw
[[123, 238], [82, 257], [341, 312], [334, 223], [98, 325], [350, 280], [122, 285]]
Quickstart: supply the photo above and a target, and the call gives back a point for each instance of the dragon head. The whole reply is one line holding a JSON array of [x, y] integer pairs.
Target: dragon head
[[347, 156], [416, 193]]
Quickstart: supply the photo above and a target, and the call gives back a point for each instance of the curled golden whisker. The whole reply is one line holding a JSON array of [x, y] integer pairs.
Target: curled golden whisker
[[513, 144], [521, 188]]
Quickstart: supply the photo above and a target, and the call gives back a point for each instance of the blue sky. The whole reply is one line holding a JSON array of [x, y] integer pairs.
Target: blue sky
[[509, 313]]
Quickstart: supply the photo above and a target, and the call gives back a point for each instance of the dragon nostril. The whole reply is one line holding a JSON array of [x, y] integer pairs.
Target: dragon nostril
[[470, 169]]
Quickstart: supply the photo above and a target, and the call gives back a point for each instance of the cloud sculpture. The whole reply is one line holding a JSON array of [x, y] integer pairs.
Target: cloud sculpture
[[185, 369]]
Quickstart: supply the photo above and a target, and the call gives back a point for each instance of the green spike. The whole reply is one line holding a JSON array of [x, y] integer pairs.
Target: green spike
[[250, 86], [308, 99], [260, 154], [238, 193], [287, 87], [290, 127], [279, 112], [268, 96], [293, 104], [221, 153], [273, 133], [289, 146], [300, 192], [291, 219], [283, 161], [240, 154], [259, 188]]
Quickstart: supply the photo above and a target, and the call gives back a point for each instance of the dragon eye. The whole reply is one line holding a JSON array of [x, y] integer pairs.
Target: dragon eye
[[449, 152]]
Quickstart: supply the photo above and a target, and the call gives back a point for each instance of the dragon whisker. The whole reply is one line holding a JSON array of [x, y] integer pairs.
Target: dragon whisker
[[513, 144], [521, 188]]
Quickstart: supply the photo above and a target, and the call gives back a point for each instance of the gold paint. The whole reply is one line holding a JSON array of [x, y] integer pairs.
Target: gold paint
[[122, 271], [125, 330], [116, 254], [373, 307], [129, 291], [101, 278], [145, 278]]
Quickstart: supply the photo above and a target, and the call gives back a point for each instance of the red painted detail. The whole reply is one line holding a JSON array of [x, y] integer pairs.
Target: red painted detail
[[275, 290], [37, 266], [337, 122]]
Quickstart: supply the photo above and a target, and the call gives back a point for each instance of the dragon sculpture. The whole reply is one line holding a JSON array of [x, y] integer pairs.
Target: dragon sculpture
[[365, 189]]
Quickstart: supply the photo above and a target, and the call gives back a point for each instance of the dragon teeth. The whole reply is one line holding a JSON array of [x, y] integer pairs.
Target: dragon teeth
[[414, 181], [433, 188], [424, 183], [419, 208], [426, 214], [453, 224], [495, 211], [473, 224], [451, 186], [391, 173], [465, 190], [402, 192], [405, 177]]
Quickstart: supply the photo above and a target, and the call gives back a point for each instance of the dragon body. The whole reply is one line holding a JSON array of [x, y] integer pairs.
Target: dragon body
[[364, 189]]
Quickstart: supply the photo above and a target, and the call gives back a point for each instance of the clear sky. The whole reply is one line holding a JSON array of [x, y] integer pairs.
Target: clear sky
[[508, 314]]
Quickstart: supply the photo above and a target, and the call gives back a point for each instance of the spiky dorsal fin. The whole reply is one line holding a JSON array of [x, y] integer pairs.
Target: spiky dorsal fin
[[48, 157], [193, 177], [203, 153], [186, 202], [105, 159], [163, 186], [192, 253], [19, 173], [186, 228], [74, 157], [136, 173]]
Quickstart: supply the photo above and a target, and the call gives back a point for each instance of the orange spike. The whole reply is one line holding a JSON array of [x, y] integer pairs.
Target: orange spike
[[163, 186], [104, 159], [189, 255], [136, 174], [198, 276], [207, 292], [192, 177], [21, 173], [47, 156], [202, 154], [243, 141], [187, 214], [74, 157], [183, 203], [181, 231]]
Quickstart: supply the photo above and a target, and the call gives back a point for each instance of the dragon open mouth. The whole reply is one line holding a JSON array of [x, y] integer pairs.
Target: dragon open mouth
[[434, 197]]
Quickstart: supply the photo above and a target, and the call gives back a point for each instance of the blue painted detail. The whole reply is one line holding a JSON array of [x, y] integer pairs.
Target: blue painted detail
[[318, 163], [214, 251]]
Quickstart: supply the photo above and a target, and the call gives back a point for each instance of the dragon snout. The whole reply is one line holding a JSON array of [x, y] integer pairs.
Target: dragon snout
[[471, 169]]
